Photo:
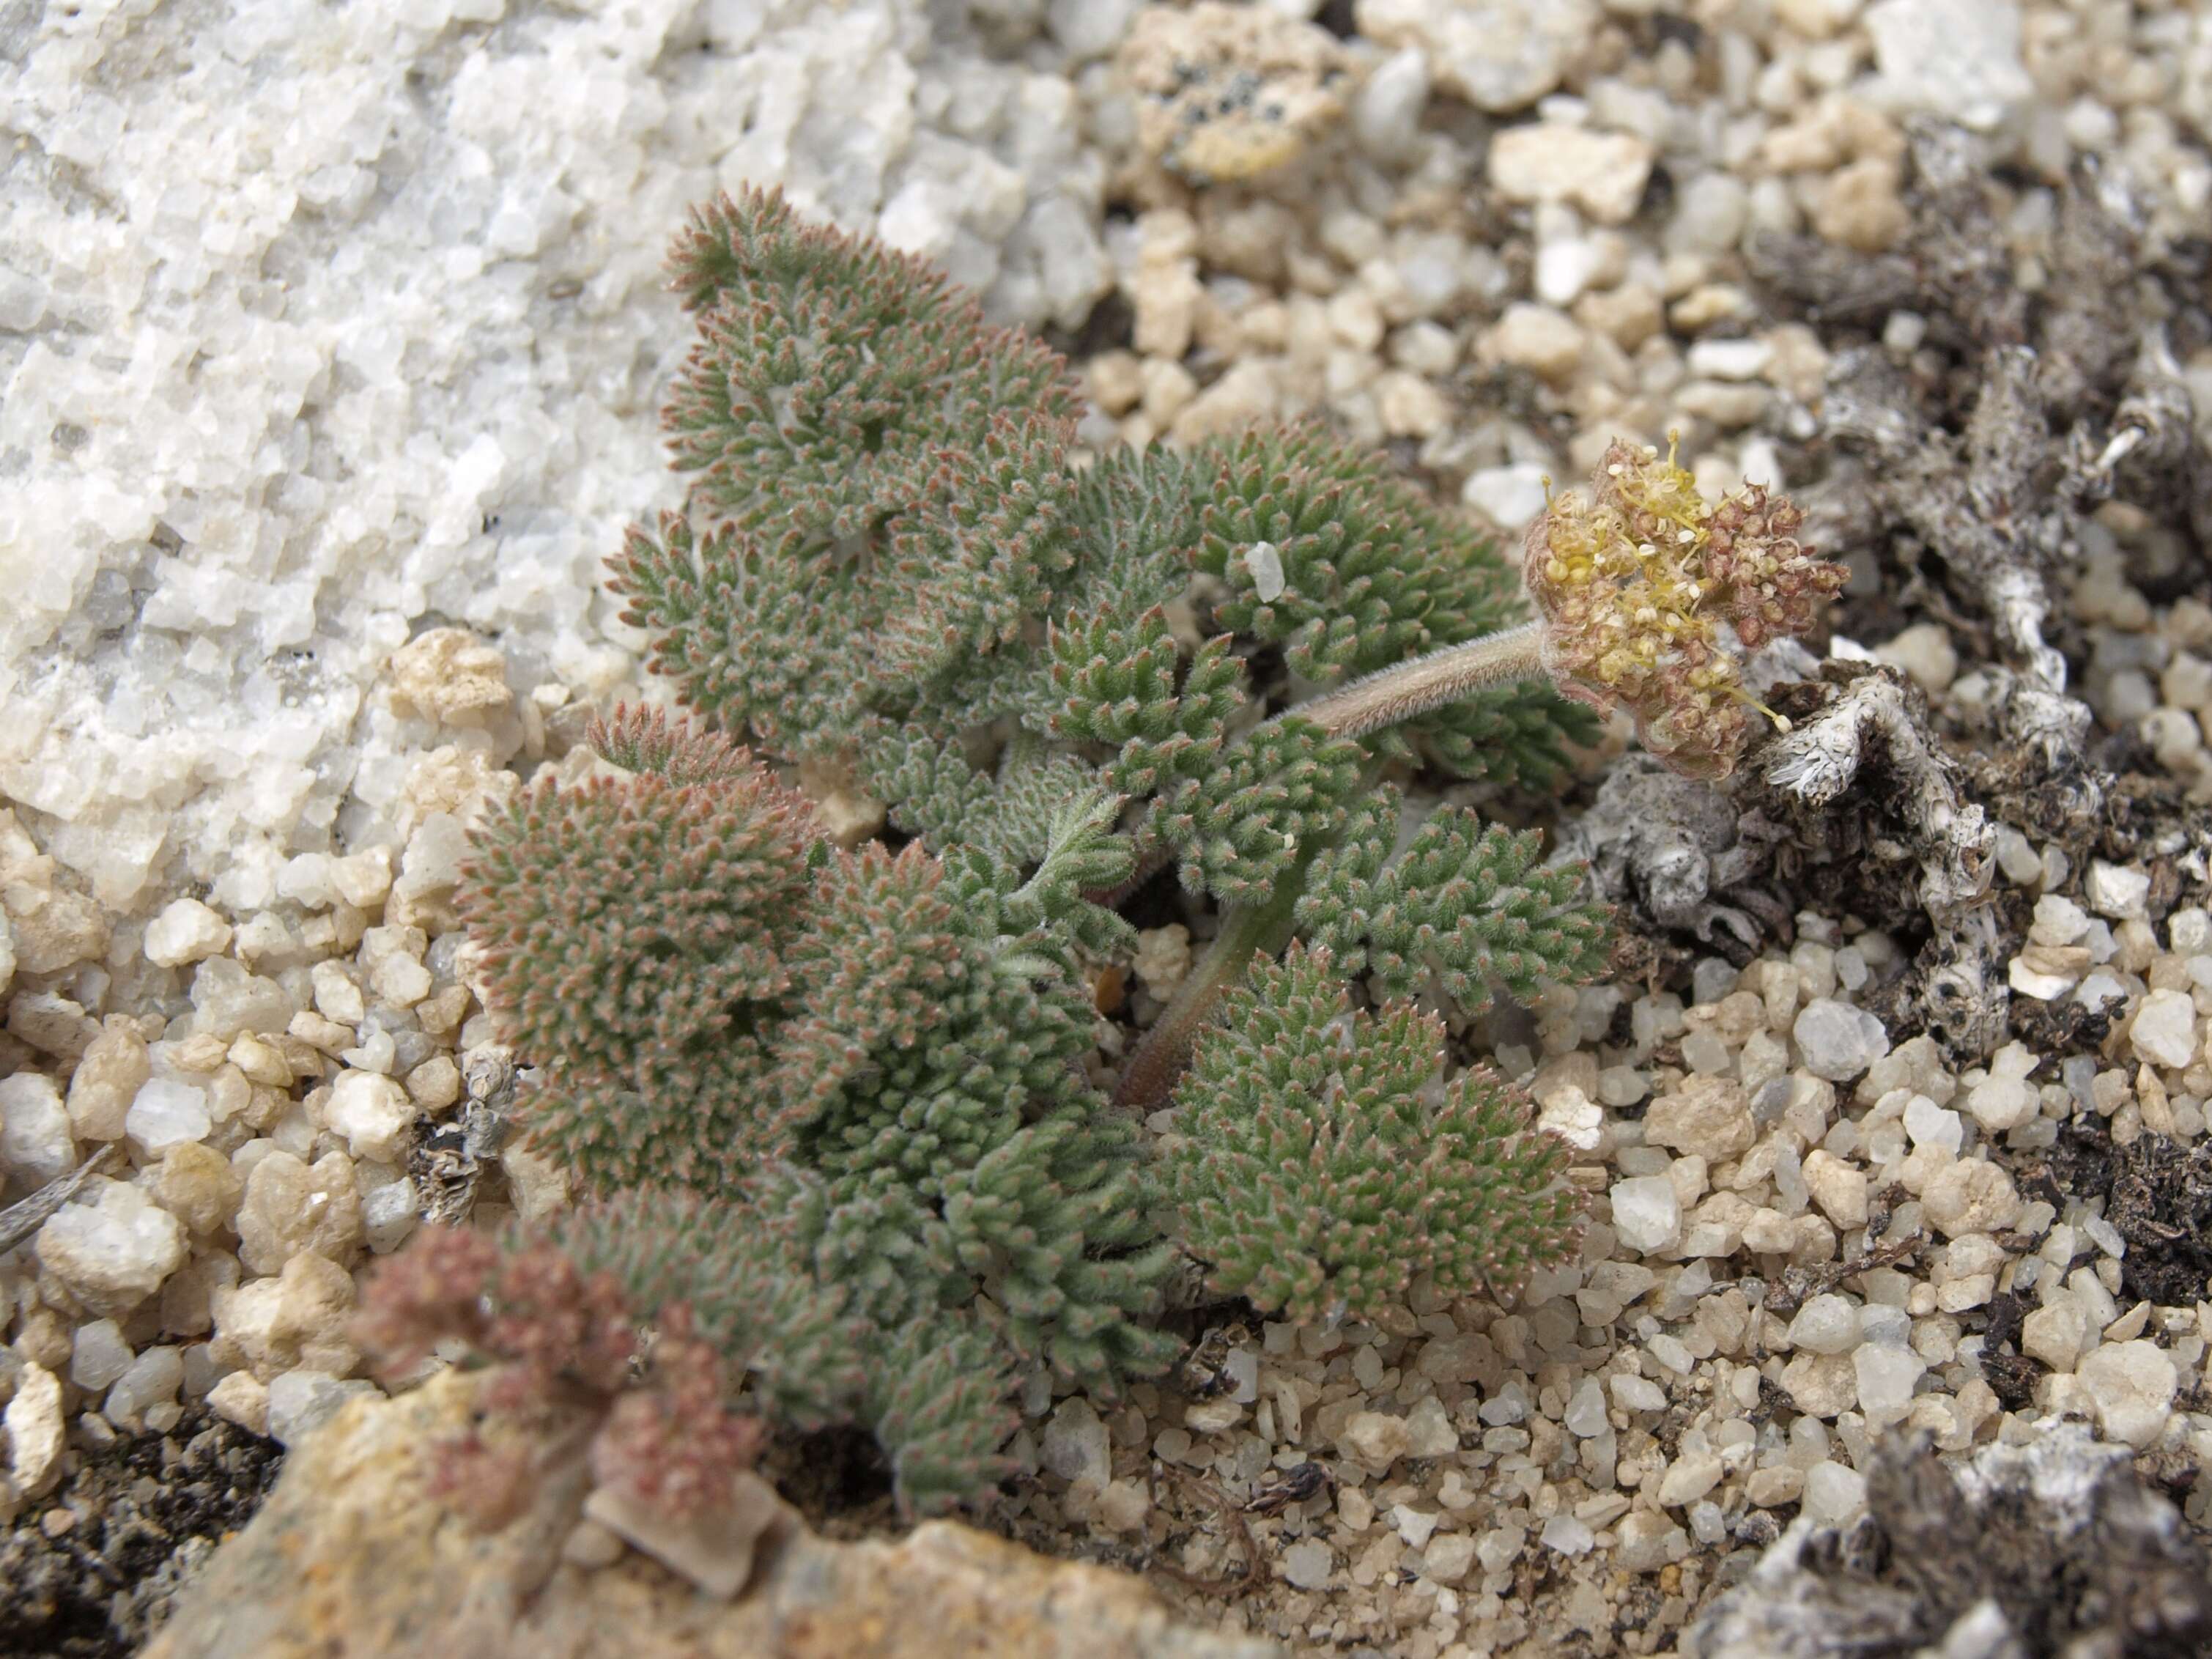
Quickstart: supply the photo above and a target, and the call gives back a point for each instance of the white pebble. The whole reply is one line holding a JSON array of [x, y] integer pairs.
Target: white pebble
[[164, 1113], [2058, 921], [113, 1248], [1885, 1379], [1833, 1493], [300, 1400], [1586, 1411], [2165, 1028], [2116, 891], [2132, 1386], [1307, 1564], [1826, 1324], [152, 1380], [1930, 1125], [1637, 1394], [1647, 1214], [1076, 1446], [1573, 1116], [1416, 1527], [35, 1139], [1429, 1431], [1509, 496], [99, 1356], [186, 931], [374, 1115], [1689, 1478], [1838, 1041], [1568, 1536], [1448, 1560], [2005, 1099], [1265, 562]]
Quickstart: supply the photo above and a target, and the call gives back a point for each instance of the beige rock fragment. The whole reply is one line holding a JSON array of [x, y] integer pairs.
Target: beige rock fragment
[[2133, 1385], [1547, 342], [450, 677], [1603, 174], [352, 1557], [114, 1250], [37, 1432], [715, 1550], [1839, 1189], [538, 1186], [373, 1113], [1707, 1116], [459, 783], [1860, 207], [271, 1325], [241, 1398], [1971, 1196], [2054, 1331], [196, 1184], [1231, 93], [435, 1084], [186, 931], [50, 926], [288, 1207], [1499, 55], [844, 812]]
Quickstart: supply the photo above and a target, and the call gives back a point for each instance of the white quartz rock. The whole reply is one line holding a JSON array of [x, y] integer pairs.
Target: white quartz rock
[[113, 1251], [365, 340]]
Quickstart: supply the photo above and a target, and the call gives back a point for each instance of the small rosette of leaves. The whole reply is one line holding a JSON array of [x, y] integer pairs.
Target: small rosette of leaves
[[976, 556], [1463, 909], [633, 930], [561, 1338], [828, 366], [1370, 573], [1318, 1166]]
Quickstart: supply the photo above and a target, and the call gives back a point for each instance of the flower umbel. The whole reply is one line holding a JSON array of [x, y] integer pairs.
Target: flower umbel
[[1648, 593]]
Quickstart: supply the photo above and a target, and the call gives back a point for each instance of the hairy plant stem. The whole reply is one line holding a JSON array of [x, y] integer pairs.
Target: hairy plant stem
[[1385, 697], [1369, 703], [1426, 683], [1160, 1057]]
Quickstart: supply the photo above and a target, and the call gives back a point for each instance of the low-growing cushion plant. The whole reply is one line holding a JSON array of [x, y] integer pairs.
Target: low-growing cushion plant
[[889, 560], [833, 1112], [833, 1102]]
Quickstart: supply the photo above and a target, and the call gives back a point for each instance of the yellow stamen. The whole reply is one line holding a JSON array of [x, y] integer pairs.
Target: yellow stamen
[[1781, 721]]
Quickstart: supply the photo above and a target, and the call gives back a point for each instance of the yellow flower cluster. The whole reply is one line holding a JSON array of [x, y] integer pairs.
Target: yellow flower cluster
[[1648, 593]]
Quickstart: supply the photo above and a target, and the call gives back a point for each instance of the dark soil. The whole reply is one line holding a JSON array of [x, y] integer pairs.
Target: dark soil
[[89, 1572]]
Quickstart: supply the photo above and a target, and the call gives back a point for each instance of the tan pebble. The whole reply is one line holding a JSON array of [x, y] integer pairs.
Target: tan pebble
[[196, 1184], [298, 1319], [241, 1398], [590, 1546], [1859, 207], [448, 676], [435, 1084], [1971, 1196], [106, 1081], [288, 1207], [1839, 1189]]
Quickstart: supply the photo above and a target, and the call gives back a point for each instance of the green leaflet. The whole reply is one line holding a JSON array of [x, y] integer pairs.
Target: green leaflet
[[1464, 908], [1316, 1170]]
